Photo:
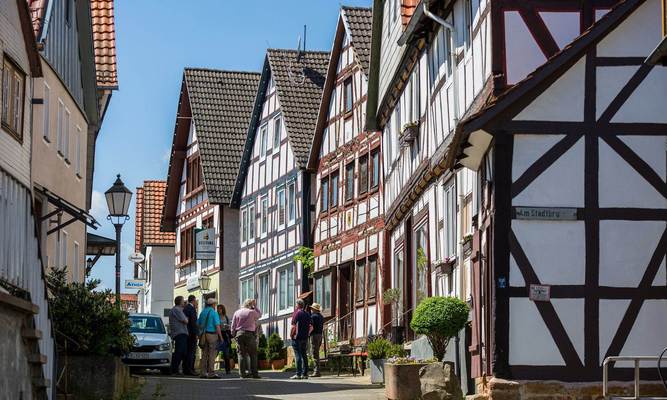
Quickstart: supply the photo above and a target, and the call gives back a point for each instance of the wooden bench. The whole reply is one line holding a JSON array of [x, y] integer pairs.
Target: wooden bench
[[357, 360]]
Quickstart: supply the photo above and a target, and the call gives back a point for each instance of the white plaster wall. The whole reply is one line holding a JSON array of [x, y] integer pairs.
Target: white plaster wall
[[523, 55], [530, 341], [162, 282], [637, 36]]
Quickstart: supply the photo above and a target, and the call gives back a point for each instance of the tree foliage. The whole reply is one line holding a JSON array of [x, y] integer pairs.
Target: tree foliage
[[85, 321], [305, 256], [275, 350], [440, 319]]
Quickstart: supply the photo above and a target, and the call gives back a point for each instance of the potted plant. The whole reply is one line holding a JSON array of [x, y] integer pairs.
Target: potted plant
[[467, 244], [276, 352], [409, 133], [445, 265], [262, 357], [377, 354], [401, 378], [440, 319]]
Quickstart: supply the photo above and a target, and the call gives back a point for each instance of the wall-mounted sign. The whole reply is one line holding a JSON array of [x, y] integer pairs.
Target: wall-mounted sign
[[205, 244], [540, 293], [136, 258], [547, 213], [192, 283], [135, 284]]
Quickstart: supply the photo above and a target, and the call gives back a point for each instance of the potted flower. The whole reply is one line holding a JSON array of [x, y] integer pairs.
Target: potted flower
[[377, 354], [445, 265], [276, 352], [409, 133], [401, 378], [467, 244]]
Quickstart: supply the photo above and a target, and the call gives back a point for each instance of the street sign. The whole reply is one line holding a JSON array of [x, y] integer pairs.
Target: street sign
[[136, 258], [135, 284], [192, 283], [540, 293], [547, 213], [205, 244]]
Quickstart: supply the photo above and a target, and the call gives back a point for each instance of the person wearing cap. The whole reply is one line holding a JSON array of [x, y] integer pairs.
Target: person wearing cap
[[317, 321], [209, 323]]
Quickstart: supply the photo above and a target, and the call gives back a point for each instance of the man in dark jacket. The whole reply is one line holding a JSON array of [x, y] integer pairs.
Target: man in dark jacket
[[190, 312], [316, 336]]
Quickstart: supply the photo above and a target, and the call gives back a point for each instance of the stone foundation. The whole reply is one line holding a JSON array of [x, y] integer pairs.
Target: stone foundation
[[500, 389]]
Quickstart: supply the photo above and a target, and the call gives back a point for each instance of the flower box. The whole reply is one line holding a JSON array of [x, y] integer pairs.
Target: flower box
[[409, 133], [401, 381]]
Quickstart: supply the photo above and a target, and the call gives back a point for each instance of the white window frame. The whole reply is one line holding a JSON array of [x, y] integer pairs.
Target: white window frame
[[264, 215], [66, 132], [244, 225], [252, 221], [281, 195], [77, 156], [288, 269], [46, 113], [60, 127], [243, 289], [264, 299], [291, 202], [277, 133], [63, 248], [449, 204], [263, 140], [77, 266]]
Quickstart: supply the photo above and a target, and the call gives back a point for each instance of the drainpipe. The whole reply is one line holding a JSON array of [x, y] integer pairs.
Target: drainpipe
[[452, 55]]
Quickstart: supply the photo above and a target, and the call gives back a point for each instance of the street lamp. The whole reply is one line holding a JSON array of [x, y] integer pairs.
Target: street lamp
[[118, 201], [204, 282]]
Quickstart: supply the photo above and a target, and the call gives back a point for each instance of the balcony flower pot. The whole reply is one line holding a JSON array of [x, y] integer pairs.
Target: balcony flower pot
[[401, 379], [377, 370], [409, 133], [277, 365]]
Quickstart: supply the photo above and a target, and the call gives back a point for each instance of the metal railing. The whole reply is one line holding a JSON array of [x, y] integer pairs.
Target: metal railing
[[637, 360]]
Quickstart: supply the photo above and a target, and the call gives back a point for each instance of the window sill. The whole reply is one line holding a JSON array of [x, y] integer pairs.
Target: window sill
[[68, 162], [18, 137], [78, 175], [46, 140]]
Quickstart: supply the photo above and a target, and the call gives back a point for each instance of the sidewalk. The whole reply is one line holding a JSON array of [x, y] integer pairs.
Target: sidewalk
[[274, 385]]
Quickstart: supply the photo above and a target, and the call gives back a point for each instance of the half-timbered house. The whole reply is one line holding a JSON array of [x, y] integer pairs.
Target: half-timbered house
[[572, 166], [273, 187], [348, 209], [211, 123]]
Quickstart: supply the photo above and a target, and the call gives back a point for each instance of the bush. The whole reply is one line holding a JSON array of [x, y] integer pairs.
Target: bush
[[396, 350], [85, 321], [275, 348], [262, 348], [377, 349], [440, 319]]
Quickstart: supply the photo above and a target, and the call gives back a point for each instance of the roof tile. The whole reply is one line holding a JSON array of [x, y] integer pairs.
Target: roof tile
[[150, 201], [360, 23], [104, 42]]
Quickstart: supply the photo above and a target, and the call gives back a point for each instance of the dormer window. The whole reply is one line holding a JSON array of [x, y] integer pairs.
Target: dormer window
[[349, 96]]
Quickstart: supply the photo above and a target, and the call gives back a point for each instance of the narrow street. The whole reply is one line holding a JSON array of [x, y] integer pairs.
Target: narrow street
[[274, 385]]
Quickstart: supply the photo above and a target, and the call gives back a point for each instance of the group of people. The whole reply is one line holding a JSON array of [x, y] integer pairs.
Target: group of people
[[213, 332]]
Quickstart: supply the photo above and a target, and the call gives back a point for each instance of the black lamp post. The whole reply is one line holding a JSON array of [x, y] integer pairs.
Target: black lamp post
[[118, 200]]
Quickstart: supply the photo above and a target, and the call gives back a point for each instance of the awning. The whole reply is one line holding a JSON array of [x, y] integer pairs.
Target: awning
[[61, 205], [96, 244]]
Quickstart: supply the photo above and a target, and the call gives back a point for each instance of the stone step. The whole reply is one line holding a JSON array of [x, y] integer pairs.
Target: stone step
[[37, 359], [31, 334]]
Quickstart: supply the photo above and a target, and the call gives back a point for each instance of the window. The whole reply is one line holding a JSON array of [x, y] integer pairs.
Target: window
[[193, 177], [76, 263], [450, 220], [246, 290], [263, 139], [66, 134], [363, 174], [360, 275], [467, 5], [60, 128], [207, 222], [263, 297], [333, 186], [291, 201], [421, 264], [281, 206], [277, 127], [349, 181], [466, 216], [438, 56], [323, 291], [68, 12], [77, 156], [13, 89], [187, 244], [375, 169], [398, 279], [372, 277], [251, 222], [244, 225], [264, 210], [63, 250], [47, 113], [286, 288], [349, 97], [324, 204]]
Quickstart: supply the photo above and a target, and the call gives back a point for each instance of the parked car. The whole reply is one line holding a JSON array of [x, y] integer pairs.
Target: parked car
[[152, 347]]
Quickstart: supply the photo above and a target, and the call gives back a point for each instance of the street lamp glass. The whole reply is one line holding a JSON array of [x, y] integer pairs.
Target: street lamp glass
[[118, 199], [204, 282]]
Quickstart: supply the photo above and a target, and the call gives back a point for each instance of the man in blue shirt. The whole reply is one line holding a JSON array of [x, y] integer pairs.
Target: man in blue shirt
[[301, 326], [209, 324]]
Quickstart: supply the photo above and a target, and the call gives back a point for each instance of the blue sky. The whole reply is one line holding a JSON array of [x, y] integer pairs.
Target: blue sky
[[155, 40]]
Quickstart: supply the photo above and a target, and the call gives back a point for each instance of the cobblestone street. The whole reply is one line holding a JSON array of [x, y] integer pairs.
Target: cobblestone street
[[274, 385]]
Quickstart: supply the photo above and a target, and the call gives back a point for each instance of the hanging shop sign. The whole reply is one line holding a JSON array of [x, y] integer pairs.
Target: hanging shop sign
[[205, 244], [135, 284]]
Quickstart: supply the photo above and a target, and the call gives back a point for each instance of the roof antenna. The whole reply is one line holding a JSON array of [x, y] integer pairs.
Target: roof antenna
[[304, 38]]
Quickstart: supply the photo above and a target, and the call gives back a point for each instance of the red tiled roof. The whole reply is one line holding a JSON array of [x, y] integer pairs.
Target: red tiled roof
[[150, 202], [37, 9], [104, 42], [408, 8]]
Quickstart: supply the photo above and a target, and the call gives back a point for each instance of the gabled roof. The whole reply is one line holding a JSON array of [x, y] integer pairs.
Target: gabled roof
[[150, 202], [220, 104], [530, 87], [359, 21], [104, 42], [299, 78]]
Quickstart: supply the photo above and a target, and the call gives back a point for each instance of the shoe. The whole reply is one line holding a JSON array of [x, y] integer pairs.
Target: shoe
[[315, 375], [214, 376], [296, 377]]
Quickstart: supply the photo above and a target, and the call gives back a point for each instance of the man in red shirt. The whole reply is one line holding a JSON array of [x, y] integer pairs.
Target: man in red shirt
[[301, 326], [244, 326]]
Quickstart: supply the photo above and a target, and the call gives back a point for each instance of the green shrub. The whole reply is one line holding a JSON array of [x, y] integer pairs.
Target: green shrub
[[275, 348], [84, 320], [440, 319], [377, 349], [396, 350]]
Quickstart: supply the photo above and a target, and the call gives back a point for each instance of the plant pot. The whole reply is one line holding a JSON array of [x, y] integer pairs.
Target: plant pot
[[401, 381], [277, 365], [409, 134], [377, 370], [263, 364]]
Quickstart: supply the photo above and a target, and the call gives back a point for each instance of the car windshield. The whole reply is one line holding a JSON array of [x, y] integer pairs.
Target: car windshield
[[146, 324]]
